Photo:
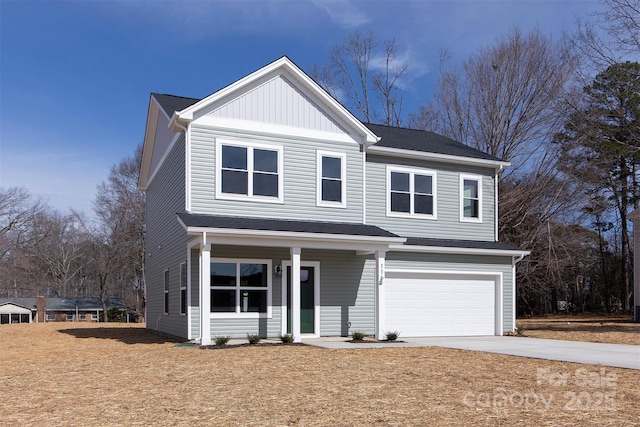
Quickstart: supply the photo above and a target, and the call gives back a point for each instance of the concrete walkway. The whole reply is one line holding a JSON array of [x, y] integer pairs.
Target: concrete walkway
[[615, 355]]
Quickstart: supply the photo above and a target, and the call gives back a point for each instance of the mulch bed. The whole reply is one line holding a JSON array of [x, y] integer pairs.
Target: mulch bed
[[95, 375]]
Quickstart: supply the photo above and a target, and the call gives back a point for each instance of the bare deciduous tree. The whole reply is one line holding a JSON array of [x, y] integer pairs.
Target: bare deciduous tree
[[610, 36], [506, 99], [121, 208], [355, 72]]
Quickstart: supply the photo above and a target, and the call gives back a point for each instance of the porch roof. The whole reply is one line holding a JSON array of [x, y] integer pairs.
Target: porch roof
[[420, 244], [282, 232]]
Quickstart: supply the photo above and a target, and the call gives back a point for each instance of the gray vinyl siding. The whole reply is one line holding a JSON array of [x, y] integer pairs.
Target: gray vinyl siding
[[166, 243], [299, 192], [164, 136], [462, 263], [346, 292], [448, 224]]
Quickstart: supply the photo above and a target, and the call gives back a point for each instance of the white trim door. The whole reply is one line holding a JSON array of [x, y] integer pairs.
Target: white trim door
[[443, 303], [316, 297]]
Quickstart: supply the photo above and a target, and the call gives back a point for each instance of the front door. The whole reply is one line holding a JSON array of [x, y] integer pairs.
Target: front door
[[307, 301]]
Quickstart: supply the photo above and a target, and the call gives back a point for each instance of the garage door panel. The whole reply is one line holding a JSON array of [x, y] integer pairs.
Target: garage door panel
[[439, 305]]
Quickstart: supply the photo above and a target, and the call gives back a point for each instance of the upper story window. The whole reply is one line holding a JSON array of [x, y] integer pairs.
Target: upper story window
[[471, 198], [411, 192], [249, 171], [331, 179]]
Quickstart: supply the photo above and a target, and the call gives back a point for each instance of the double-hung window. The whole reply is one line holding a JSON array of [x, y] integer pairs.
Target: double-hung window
[[331, 179], [411, 192], [470, 198], [240, 287], [249, 171], [183, 288]]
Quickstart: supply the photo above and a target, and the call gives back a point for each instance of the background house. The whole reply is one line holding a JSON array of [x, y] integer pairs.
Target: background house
[[271, 209], [30, 310]]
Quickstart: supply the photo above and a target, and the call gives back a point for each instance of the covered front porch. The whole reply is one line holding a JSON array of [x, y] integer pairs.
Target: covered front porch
[[276, 277]]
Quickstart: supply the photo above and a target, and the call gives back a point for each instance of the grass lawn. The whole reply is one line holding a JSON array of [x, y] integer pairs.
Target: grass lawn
[[613, 329], [113, 374]]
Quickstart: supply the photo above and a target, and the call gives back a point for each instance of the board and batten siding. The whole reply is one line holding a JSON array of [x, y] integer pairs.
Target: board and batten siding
[[166, 243], [460, 264], [275, 100], [448, 224], [300, 169]]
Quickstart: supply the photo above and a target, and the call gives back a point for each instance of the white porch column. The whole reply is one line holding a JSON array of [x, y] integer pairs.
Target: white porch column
[[379, 294], [205, 292], [295, 294]]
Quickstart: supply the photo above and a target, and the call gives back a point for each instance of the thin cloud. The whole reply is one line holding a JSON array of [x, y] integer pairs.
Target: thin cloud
[[343, 13]]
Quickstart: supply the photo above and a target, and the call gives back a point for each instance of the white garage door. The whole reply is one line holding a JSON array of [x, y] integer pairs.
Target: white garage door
[[428, 304]]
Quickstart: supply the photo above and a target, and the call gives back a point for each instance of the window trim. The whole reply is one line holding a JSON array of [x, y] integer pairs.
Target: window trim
[[478, 179], [412, 172], [250, 146], [343, 179], [183, 288], [237, 314], [165, 294]]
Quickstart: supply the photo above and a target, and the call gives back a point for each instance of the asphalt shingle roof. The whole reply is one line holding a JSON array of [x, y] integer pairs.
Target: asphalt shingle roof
[[244, 223], [467, 244], [171, 103], [419, 140]]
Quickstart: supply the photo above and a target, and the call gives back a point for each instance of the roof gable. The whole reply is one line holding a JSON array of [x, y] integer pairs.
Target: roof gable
[[282, 94]]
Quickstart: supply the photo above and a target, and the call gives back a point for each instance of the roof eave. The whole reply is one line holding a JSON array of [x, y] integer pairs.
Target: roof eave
[[459, 250], [437, 157]]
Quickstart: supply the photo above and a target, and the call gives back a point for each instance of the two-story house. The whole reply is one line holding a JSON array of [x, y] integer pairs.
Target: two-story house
[[271, 209]]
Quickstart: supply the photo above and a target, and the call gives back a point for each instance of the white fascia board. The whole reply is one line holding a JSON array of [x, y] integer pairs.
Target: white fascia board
[[445, 158], [252, 128], [458, 251], [284, 63], [242, 237]]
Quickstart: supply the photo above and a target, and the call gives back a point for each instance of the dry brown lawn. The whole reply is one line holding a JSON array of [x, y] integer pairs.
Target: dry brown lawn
[[113, 374], [613, 329]]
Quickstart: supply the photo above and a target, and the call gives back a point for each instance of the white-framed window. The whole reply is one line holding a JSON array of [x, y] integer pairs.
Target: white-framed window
[[249, 171], [331, 179], [69, 316], [240, 288], [51, 317], [83, 316], [411, 192], [94, 316], [470, 198], [183, 288], [166, 291]]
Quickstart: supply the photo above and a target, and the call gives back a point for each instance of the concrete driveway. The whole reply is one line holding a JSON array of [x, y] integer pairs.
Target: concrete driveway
[[615, 355]]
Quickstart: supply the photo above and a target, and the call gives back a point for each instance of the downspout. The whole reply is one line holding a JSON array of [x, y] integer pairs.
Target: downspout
[[364, 183]]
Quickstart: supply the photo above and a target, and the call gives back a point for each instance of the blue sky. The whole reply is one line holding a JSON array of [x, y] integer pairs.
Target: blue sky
[[75, 76]]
